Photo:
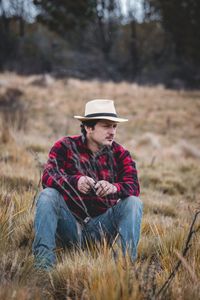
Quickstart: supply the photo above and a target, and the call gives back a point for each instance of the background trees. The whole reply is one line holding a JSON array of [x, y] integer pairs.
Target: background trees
[[61, 16], [163, 45], [181, 20]]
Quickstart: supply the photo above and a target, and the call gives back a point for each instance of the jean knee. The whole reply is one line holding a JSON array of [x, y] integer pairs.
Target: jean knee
[[49, 194], [133, 203]]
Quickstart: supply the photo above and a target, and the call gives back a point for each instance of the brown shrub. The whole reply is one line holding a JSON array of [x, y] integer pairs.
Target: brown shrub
[[13, 109]]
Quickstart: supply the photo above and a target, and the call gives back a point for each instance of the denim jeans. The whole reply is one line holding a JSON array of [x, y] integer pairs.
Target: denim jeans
[[54, 220]]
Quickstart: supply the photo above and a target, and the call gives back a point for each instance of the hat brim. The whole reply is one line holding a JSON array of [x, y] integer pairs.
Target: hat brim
[[114, 119]]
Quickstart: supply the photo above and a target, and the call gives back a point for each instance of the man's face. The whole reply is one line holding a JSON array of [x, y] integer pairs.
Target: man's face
[[102, 134]]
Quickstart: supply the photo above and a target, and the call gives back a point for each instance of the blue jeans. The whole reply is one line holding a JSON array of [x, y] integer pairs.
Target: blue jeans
[[54, 219]]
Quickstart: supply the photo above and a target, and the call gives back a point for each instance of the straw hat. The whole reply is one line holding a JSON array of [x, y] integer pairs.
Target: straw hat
[[103, 109]]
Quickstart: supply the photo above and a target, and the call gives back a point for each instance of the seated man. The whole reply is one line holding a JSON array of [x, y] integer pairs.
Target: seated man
[[90, 189]]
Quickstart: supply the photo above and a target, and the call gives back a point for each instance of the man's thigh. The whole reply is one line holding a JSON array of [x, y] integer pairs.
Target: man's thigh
[[68, 231]]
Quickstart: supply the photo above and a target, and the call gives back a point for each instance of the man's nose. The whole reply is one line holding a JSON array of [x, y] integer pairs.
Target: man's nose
[[112, 130]]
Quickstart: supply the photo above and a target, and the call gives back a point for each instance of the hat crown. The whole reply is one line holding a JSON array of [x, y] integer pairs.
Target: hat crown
[[99, 106], [100, 109]]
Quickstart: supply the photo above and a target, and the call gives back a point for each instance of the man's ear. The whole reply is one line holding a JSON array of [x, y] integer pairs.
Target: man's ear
[[88, 129]]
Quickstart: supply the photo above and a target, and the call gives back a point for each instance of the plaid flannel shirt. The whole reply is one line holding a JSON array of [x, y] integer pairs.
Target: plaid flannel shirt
[[69, 159]]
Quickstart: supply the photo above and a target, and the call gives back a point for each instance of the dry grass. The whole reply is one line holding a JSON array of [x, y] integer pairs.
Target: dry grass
[[163, 136]]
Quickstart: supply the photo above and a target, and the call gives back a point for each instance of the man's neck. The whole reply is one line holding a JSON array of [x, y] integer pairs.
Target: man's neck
[[93, 146]]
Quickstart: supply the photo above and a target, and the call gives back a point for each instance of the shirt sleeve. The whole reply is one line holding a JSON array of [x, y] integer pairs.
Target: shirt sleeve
[[127, 180], [55, 173]]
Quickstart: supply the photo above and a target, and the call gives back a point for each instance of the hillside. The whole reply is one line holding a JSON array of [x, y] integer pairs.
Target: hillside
[[163, 136]]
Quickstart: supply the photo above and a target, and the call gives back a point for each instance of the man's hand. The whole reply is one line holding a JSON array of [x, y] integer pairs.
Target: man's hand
[[85, 184], [104, 188]]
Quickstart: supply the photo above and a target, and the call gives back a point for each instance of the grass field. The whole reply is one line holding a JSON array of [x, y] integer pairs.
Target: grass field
[[163, 135]]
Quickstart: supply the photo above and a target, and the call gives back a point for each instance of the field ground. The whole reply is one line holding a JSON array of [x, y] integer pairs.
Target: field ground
[[163, 135]]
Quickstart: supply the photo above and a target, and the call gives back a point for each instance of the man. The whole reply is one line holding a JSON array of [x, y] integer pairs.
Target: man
[[90, 191]]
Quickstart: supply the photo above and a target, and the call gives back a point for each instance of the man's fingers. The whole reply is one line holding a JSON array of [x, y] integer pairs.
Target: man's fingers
[[89, 181], [85, 189], [99, 191], [85, 184], [101, 184], [104, 188]]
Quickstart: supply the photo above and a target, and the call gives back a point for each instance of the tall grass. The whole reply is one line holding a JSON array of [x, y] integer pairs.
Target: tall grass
[[170, 191]]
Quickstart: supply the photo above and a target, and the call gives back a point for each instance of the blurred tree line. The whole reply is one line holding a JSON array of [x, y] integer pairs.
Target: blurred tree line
[[93, 38]]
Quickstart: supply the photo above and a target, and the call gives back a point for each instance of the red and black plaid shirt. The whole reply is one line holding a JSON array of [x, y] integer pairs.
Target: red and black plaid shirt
[[69, 159]]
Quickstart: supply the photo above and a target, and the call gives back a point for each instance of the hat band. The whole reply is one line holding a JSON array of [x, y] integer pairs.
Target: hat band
[[101, 115]]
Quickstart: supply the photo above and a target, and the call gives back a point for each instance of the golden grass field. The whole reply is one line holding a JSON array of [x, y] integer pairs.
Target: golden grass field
[[163, 135]]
